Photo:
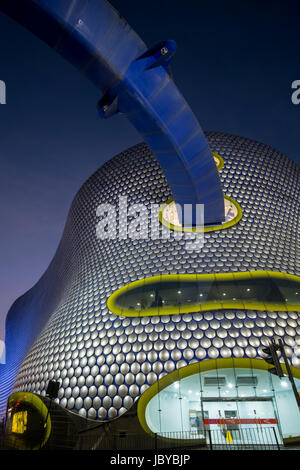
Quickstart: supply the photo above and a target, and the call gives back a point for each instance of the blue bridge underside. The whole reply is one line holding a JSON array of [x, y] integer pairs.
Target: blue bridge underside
[[135, 81]]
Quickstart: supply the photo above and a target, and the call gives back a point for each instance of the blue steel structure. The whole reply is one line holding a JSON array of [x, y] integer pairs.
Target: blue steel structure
[[134, 81]]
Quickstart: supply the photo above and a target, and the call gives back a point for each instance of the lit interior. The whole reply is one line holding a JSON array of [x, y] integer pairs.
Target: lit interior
[[242, 401], [188, 293]]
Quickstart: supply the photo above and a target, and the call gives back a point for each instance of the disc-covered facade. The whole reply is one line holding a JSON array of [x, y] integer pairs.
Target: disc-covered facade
[[106, 361]]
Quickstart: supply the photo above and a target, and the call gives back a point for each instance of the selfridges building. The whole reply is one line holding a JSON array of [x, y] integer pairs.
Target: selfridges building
[[144, 312], [180, 330]]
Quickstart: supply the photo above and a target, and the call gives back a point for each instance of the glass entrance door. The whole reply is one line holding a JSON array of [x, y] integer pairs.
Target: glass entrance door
[[241, 421]]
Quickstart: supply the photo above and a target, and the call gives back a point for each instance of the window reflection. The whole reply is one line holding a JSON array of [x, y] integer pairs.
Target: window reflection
[[183, 293]]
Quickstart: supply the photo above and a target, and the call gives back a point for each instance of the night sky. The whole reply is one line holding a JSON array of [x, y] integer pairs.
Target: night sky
[[235, 65]]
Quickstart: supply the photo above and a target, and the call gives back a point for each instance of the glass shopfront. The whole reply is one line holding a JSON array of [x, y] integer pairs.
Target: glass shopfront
[[245, 402]]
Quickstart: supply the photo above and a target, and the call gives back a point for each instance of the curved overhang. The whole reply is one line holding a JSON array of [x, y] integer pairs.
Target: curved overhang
[[134, 81]]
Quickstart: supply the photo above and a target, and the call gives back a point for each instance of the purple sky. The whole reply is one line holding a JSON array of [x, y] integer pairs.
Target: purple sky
[[235, 65]]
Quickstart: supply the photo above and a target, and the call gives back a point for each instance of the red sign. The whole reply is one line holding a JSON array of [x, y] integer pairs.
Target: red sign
[[241, 421]]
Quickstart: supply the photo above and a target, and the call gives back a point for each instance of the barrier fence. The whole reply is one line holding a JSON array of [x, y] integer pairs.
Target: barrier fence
[[261, 438], [252, 438]]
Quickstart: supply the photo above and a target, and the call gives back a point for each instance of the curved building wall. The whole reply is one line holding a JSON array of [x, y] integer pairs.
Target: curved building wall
[[104, 361]]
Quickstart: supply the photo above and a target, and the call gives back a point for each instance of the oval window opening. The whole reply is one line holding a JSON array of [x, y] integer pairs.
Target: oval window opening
[[173, 294]]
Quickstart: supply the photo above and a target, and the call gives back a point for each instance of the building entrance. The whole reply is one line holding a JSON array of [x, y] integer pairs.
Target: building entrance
[[243, 406], [241, 421]]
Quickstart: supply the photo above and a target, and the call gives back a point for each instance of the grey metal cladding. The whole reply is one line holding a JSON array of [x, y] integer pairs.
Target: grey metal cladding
[[104, 361]]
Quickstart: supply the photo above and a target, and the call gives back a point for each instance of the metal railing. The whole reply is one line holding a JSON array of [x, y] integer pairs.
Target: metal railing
[[142, 441], [255, 438], [261, 438], [240, 439]]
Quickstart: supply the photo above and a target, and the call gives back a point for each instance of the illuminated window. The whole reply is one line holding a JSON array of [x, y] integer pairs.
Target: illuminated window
[[19, 422], [190, 293], [245, 401]]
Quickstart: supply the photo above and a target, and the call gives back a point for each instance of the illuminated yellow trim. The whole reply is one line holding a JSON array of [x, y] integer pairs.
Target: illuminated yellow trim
[[211, 305], [220, 159], [35, 402], [206, 228], [195, 368]]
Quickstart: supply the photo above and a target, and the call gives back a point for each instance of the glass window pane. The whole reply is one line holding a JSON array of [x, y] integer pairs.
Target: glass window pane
[[181, 293]]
